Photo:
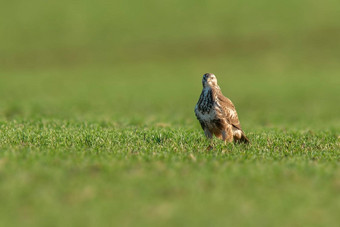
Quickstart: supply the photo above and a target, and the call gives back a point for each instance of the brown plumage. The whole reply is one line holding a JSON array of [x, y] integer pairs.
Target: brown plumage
[[217, 114]]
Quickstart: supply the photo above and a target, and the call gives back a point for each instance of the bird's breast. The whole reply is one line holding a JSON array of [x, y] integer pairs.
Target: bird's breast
[[207, 108], [206, 116]]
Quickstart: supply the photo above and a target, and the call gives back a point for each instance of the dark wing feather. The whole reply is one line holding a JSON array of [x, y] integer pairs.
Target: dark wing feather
[[229, 110]]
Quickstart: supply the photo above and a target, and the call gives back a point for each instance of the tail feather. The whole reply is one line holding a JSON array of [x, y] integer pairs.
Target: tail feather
[[244, 138]]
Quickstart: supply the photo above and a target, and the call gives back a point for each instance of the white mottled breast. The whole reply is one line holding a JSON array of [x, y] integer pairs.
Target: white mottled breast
[[207, 117], [208, 110]]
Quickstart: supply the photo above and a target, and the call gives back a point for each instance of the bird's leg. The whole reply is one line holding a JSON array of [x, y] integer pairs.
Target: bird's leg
[[227, 135], [209, 136]]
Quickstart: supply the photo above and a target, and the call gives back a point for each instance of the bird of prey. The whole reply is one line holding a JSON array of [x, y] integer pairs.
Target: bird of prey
[[217, 114]]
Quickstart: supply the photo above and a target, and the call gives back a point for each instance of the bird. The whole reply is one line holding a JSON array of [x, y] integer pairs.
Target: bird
[[217, 114]]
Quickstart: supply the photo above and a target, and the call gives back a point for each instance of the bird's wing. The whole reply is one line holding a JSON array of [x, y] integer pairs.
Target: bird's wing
[[229, 111]]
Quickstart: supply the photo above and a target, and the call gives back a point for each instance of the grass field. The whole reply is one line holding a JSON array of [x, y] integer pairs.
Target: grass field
[[97, 125]]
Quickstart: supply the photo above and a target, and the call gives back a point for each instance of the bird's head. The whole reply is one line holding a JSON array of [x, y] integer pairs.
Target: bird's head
[[209, 80]]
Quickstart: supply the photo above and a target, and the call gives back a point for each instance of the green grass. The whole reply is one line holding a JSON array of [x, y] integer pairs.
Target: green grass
[[81, 173], [94, 146], [97, 125]]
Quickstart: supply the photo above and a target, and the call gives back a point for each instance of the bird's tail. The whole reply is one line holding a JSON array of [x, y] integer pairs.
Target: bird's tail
[[244, 139]]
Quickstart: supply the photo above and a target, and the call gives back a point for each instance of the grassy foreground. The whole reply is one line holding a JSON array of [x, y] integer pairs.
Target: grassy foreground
[[74, 173]]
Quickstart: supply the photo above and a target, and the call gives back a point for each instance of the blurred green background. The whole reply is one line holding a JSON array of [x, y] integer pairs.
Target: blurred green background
[[142, 62]]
